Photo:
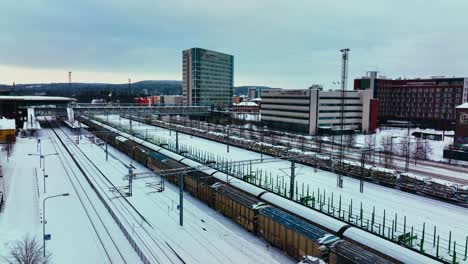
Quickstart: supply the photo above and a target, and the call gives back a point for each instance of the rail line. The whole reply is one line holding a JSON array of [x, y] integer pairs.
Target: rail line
[[127, 214], [164, 201], [84, 198]]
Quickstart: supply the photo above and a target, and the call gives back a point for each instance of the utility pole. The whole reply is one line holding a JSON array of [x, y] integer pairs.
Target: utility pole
[[363, 161], [344, 76], [293, 176], [181, 199], [107, 151], [69, 82], [227, 144], [129, 86], [177, 140], [407, 161], [130, 180]]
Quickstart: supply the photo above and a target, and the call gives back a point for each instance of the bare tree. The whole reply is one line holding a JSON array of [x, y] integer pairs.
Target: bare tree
[[427, 150], [369, 143], [387, 148], [418, 151], [403, 149], [27, 251], [350, 140], [318, 142]]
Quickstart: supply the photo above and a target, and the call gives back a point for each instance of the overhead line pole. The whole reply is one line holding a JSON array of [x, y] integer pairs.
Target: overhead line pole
[[344, 76]]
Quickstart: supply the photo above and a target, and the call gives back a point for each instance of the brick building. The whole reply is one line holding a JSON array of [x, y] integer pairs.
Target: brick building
[[427, 102], [461, 125]]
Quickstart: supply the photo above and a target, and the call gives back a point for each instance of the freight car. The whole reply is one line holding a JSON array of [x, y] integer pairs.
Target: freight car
[[237, 205], [344, 252], [199, 185], [366, 244], [386, 249], [294, 236]]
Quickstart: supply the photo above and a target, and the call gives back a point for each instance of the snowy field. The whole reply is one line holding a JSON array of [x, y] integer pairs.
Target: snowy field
[[400, 133], [417, 209], [71, 231], [206, 237]]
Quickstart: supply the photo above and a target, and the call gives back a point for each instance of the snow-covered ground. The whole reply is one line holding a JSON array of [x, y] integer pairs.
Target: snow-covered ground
[[70, 229], [417, 210], [400, 133], [206, 237]]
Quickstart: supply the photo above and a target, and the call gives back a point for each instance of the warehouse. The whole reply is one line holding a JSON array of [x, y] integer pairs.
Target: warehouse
[[7, 130]]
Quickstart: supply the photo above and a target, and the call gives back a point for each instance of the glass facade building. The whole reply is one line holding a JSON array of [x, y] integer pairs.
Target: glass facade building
[[207, 78]]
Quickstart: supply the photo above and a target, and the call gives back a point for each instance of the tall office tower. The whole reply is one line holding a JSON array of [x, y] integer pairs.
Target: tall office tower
[[207, 78]]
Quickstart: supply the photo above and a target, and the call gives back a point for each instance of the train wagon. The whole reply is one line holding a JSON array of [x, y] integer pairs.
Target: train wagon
[[294, 236], [344, 252], [384, 248], [156, 161], [237, 205], [199, 185]]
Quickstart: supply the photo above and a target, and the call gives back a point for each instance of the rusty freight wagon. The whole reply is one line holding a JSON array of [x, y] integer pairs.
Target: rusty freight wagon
[[237, 205], [199, 184], [344, 252], [294, 236], [156, 161]]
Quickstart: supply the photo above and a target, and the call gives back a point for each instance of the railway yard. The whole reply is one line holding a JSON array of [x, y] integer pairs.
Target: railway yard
[[156, 191]]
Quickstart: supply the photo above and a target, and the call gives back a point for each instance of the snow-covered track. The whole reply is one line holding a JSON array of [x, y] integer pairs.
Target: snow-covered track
[[146, 241], [93, 210]]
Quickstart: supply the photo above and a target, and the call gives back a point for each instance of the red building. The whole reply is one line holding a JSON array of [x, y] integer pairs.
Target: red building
[[461, 126], [143, 101], [426, 102]]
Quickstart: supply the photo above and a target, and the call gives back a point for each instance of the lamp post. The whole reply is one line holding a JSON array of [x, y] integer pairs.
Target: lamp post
[[43, 166], [391, 148], [44, 220]]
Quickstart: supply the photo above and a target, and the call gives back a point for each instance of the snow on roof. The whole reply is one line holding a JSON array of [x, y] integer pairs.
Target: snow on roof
[[37, 98], [386, 247], [246, 104], [7, 124], [463, 106], [320, 219]]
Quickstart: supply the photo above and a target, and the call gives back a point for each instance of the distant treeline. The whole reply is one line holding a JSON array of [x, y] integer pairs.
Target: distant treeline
[[85, 92]]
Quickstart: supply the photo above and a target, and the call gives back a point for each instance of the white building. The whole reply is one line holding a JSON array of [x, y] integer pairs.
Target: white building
[[315, 111], [171, 99]]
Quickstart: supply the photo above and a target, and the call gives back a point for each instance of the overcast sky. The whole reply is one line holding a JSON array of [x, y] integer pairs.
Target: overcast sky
[[289, 44]]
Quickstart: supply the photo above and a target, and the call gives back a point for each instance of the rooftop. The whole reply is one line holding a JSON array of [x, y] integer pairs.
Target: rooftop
[[37, 98], [463, 106], [7, 124], [246, 104]]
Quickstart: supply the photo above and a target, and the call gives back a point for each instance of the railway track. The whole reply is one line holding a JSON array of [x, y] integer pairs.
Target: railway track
[[154, 248], [164, 201], [303, 143], [92, 210]]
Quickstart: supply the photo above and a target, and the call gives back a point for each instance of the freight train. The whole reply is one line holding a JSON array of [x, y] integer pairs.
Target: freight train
[[386, 177], [298, 231]]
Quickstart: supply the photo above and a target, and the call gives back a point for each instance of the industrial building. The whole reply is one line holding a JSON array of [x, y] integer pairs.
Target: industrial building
[[207, 78], [7, 130], [314, 111], [425, 102]]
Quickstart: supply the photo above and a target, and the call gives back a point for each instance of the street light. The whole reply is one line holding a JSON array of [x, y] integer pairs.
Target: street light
[[39, 148], [43, 161], [44, 220]]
